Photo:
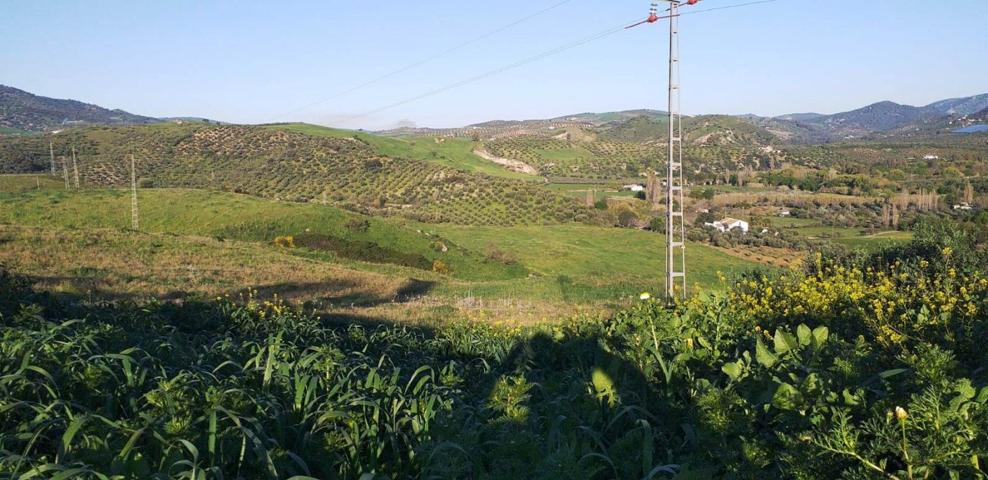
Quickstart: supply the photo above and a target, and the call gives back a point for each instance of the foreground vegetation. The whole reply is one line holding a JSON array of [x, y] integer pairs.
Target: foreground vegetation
[[863, 366]]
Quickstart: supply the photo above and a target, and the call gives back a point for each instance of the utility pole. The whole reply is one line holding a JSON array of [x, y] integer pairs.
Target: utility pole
[[65, 170], [675, 219], [51, 153], [134, 221], [75, 168]]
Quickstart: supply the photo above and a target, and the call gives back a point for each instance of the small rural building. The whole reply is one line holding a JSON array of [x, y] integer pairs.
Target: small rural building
[[728, 224], [785, 213], [963, 206], [634, 187], [931, 157]]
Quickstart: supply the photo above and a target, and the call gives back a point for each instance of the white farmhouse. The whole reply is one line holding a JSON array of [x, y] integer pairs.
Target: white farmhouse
[[728, 224], [634, 187], [931, 157], [964, 206]]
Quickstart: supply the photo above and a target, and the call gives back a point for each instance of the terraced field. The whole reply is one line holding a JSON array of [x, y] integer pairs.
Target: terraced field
[[715, 146], [285, 165], [598, 159], [455, 153]]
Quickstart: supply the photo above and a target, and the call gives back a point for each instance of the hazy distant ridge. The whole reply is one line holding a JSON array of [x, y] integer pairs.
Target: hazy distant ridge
[[25, 111]]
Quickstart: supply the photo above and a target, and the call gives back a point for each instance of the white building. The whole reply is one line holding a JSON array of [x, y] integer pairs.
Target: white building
[[634, 187], [963, 206], [931, 157], [728, 224]]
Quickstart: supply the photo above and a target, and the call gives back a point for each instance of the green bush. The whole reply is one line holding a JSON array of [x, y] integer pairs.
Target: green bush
[[360, 250]]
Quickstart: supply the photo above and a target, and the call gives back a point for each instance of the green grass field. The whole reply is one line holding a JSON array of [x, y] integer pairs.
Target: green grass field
[[851, 237], [239, 217], [583, 262], [29, 182], [579, 190], [14, 131], [568, 264]]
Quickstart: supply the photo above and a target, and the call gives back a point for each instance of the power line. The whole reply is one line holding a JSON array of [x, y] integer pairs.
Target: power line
[[419, 63], [726, 7], [520, 63], [532, 59]]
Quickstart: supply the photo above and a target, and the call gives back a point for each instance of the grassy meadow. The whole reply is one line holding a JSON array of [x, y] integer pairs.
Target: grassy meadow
[[533, 272], [850, 237], [30, 182]]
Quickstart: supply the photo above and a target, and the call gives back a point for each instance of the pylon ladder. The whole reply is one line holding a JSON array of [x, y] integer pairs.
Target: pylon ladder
[[675, 218]]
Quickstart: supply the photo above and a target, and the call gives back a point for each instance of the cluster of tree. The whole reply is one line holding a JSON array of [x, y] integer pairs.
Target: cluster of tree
[[821, 181]]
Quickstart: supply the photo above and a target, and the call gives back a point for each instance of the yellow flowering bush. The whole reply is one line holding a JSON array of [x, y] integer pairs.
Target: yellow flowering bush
[[893, 306]]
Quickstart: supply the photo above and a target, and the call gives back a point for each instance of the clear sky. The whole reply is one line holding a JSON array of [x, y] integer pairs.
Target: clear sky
[[253, 61]]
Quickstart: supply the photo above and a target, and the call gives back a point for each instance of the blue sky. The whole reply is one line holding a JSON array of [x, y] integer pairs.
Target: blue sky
[[252, 61]]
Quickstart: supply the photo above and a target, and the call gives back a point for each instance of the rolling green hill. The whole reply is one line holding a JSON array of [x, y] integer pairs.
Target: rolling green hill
[[572, 264], [379, 176], [456, 153], [334, 234], [715, 146]]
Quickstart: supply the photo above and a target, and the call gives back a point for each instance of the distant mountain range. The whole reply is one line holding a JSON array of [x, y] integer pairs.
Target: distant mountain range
[[880, 119], [23, 111]]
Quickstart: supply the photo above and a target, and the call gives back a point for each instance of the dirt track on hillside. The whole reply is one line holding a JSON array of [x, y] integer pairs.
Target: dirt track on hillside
[[510, 164]]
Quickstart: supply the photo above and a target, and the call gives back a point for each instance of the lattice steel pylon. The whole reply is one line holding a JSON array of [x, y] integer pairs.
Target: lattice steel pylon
[[135, 222], [675, 181], [675, 218]]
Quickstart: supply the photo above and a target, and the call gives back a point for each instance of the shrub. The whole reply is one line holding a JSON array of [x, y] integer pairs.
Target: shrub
[[495, 254], [361, 250], [627, 219], [440, 267], [358, 225], [285, 241]]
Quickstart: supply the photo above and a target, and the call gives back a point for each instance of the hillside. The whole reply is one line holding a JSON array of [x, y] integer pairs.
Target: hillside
[[285, 165], [954, 123], [878, 117], [793, 129], [883, 119], [960, 106], [24, 111], [551, 268], [715, 144], [612, 117]]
